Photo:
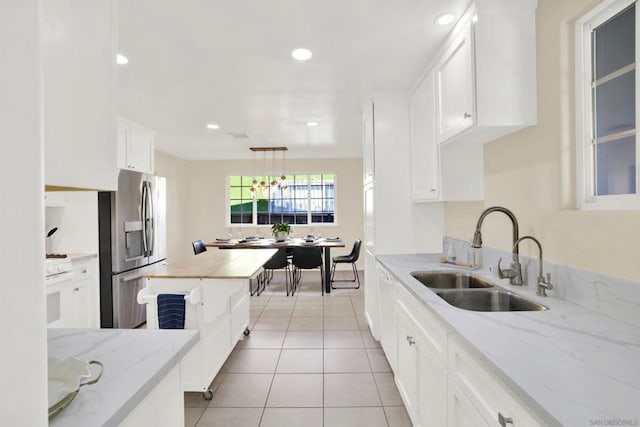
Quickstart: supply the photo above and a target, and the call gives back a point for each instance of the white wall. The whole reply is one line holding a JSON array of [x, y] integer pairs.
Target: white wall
[[23, 399], [77, 223], [532, 172]]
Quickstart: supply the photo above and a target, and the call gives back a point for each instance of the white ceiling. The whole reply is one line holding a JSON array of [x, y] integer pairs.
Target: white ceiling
[[192, 62]]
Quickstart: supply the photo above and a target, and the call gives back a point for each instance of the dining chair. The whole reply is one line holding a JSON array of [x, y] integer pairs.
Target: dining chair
[[307, 258], [347, 259], [279, 261], [198, 247]]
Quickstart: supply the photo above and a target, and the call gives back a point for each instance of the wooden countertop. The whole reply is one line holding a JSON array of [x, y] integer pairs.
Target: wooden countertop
[[219, 264]]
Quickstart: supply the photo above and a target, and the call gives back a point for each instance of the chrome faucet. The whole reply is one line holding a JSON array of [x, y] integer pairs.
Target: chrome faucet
[[514, 274], [543, 283]]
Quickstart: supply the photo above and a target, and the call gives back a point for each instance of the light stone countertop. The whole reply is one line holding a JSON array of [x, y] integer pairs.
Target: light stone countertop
[[571, 365], [135, 361]]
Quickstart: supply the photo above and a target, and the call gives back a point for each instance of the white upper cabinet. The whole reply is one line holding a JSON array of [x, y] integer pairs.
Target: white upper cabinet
[[368, 148], [425, 165], [486, 74], [135, 147], [79, 43], [454, 73]]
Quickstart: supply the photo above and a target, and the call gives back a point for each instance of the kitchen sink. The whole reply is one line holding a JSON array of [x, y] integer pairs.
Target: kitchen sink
[[489, 300], [450, 280]]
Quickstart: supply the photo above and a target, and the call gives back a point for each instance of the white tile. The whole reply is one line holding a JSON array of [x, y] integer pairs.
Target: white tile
[[263, 339], [368, 339], [292, 417], [296, 390], [338, 310], [397, 416], [254, 362], [195, 400], [300, 362], [354, 417], [192, 415], [346, 390], [308, 311], [303, 339], [271, 324], [343, 339], [276, 311], [306, 324], [346, 360], [340, 323], [378, 360], [242, 391], [230, 417], [387, 389]]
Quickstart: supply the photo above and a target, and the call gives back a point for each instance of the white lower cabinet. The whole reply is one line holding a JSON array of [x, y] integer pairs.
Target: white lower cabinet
[[441, 381], [420, 377], [386, 314], [84, 293], [371, 294]]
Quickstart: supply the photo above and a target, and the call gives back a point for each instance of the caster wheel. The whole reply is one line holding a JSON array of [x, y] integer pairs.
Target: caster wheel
[[207, 395], [246, 332]]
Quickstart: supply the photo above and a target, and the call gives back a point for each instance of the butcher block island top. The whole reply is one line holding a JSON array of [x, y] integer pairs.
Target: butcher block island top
[[219, 264]]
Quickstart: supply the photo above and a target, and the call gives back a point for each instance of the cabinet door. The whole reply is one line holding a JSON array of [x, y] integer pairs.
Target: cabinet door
[[455, 78], [425, 169], [140, 150], [387, 317], [371, 294], [368, 145], [432, 386], [406, 367], [81, 304], [79, 101], [460, 412]]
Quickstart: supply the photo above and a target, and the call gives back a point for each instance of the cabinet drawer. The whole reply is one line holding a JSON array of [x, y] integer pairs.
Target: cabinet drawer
[[485, 392], [84, 269], [431, 329]]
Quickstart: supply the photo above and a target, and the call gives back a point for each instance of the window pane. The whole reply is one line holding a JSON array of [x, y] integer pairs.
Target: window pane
[[615, 105], [614, 43], [615, 167]]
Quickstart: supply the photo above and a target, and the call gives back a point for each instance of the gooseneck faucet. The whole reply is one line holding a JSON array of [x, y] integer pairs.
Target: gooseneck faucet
[[514, 274], [543, 283]]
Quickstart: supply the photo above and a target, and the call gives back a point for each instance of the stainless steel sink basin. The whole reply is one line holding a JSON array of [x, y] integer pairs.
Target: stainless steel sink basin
[[450, 280], [489, 300]]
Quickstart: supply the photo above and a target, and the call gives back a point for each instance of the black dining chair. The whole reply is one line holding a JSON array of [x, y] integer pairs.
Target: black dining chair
[[198, 247], [347, 259], [279, 261], [306, 258]]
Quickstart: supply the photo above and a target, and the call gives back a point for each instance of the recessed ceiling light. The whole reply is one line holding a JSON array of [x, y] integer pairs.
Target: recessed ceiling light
[[312, 124], [445, 18], [301, 54], [213, 126], [121, 59]]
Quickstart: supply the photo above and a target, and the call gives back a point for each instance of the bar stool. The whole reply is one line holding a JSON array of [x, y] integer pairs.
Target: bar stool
[[347, 259]]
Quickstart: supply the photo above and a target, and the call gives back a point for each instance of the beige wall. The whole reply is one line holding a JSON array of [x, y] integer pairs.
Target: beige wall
[[175, 170], [196, 192], [532, 172]]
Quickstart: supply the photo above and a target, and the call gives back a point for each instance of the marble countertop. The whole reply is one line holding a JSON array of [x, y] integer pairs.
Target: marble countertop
[[217, 264], [135, 361], [571, 365]]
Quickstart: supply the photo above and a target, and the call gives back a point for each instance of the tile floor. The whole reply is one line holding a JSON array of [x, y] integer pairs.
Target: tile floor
[[309, 361]]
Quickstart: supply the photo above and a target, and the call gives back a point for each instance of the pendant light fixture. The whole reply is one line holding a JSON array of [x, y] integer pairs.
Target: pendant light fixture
[[283, 177], [263, 186]]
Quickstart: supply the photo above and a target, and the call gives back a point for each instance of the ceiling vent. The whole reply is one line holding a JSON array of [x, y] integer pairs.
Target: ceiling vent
[[238, 135]]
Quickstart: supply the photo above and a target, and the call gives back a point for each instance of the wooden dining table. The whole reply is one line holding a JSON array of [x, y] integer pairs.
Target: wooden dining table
[[261, 243]]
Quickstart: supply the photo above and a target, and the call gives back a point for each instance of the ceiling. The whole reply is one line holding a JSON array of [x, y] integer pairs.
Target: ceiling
[[193, 62]]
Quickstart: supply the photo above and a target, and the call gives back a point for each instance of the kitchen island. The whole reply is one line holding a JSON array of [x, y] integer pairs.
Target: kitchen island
[[141, 370], [216, 288]]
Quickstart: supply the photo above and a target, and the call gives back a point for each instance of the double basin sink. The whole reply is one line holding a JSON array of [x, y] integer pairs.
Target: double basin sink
[[469, 292]]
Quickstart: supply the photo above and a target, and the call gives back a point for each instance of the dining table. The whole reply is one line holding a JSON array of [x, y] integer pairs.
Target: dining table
[[325, 243]]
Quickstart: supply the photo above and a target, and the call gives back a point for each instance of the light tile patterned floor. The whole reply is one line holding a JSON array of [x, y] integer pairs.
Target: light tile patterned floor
[[309, 361]]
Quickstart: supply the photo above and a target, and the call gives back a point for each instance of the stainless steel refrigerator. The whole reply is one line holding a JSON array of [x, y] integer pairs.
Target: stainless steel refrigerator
[[132, 224]]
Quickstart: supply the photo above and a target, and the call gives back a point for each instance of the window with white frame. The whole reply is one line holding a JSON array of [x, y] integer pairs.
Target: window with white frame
[[606, 107], [302, 199]]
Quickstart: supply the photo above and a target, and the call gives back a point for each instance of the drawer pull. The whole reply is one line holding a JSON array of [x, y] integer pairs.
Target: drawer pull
[[76, 289], [504, 421], [411, 341], [84, 271]]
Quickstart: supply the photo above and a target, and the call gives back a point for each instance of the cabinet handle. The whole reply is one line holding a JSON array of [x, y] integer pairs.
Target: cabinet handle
[[76, 289], [504, 421], [467, 115], [84, 271], [433, 190], [411, 341]]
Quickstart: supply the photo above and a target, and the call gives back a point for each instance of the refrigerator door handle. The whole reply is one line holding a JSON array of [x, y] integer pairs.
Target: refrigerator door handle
[[150, 201], [143, 219]]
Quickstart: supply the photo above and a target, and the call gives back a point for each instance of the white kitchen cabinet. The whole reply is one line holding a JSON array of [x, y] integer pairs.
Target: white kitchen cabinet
[[79, 101], [425, 161], [486, 73], [420, 377], [372, 296], [455, 79], [54, 199], [387, 315], [85, 288], [135, 147], [460, 411], [368, 149]]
